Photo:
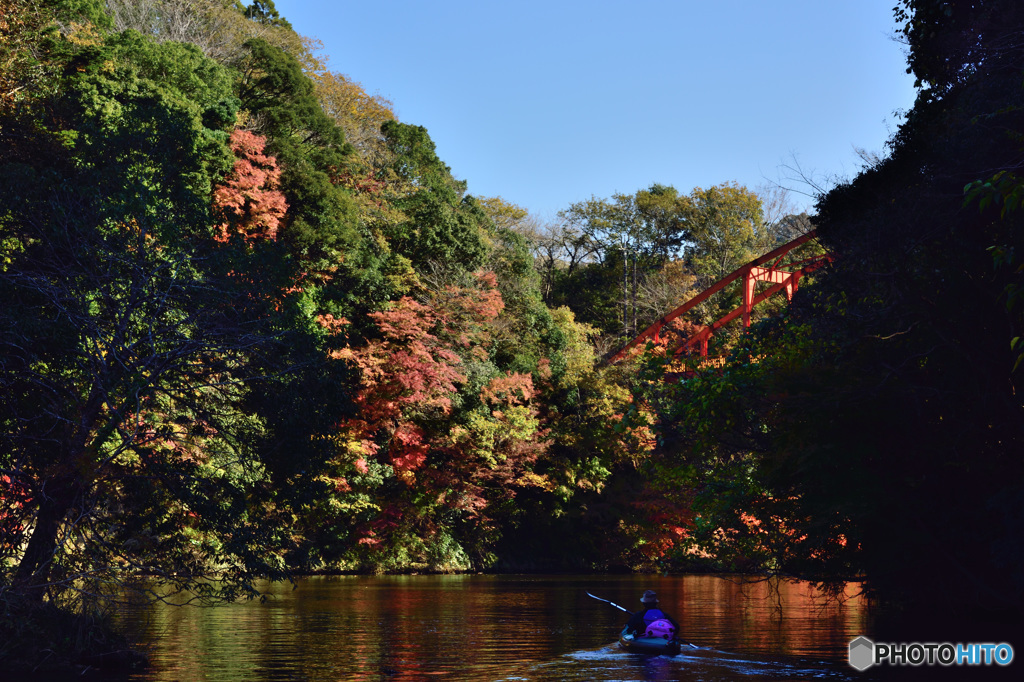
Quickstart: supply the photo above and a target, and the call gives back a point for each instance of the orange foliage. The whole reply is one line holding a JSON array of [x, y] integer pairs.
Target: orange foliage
[[13, 497], [411, 374], [332, 324], [249, 201], [408, 370], [512, 389]]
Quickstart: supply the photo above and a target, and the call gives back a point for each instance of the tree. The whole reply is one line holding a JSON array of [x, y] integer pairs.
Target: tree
[[506, 215], [664, 290], [359, 114], [642, 231], [616, 227], [264, 12], [723, 224], [443, 228], [559, 249], [248, 200], [282, 105], [660, 209], [951, 44], [217, 27], [877, 435], [130, 335], [20, 68], [441, 438]]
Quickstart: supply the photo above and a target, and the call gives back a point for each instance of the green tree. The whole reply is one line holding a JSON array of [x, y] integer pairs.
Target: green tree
[[444, 229], [661, 210], [637, 232], [264, 12], [281, 101], [723, 226], [131, 334]]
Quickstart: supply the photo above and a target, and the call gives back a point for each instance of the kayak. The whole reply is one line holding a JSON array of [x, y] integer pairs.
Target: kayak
[[648, 645]]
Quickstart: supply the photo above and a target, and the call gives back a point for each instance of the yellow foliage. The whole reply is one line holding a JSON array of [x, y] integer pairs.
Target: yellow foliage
[[532, 480], [357, 112], [85, 34], [504, 213], [580, 357], [18, 24]]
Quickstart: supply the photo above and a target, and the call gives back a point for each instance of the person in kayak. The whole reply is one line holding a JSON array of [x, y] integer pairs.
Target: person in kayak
[[652, 621]]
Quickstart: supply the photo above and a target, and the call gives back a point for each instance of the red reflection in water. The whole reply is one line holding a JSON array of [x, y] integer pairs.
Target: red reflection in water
[[495, 628]]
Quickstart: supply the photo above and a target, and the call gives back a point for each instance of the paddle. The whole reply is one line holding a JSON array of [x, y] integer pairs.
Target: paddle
[[620, 608], [610, 602]]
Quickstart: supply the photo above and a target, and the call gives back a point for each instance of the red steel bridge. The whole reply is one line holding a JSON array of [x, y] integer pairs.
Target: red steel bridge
[[775, 268]]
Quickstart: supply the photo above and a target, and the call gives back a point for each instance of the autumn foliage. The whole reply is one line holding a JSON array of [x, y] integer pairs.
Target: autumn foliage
[[441, 448], [407, 373], [256, 325], [249, 201]]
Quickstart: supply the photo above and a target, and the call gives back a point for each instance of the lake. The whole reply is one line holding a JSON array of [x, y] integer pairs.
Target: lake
[[505, 627]]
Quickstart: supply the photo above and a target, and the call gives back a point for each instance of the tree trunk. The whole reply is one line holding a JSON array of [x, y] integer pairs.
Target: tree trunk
[[625, 291], [33, 571], [634, 296], [56, 496]]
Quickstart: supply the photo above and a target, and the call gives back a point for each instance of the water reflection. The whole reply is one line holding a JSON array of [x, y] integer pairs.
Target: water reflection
[[535, 628]]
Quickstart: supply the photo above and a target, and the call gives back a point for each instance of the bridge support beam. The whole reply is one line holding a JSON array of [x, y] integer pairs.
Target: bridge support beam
[[753, 274], [749, 274]]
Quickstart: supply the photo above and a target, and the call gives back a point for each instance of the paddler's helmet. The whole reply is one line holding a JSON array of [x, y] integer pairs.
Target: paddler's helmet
[[650, 597]]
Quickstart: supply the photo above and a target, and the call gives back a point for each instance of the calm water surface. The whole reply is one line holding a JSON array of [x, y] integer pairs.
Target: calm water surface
[[473, 627]]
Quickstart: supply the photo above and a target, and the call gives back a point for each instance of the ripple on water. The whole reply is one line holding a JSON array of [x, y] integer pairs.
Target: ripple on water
[[487, 628]]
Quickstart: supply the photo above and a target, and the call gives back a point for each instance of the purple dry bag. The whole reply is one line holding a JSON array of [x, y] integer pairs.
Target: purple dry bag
[[660, 629]]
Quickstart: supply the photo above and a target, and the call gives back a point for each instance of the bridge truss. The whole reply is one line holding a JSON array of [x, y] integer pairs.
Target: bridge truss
[[774, 267]]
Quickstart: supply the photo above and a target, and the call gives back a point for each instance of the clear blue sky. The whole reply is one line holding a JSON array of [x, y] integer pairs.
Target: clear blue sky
[[549, 102]]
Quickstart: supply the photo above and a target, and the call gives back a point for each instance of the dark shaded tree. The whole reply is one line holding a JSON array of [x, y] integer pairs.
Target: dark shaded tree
[[877, 434]]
